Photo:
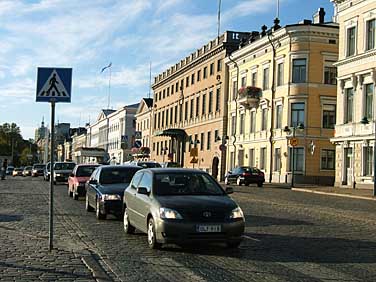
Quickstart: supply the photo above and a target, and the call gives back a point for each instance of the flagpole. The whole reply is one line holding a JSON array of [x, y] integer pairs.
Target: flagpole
[[219, 16]]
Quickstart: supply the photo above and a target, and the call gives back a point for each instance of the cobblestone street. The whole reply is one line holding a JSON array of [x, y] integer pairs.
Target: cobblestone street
[[290, 236]]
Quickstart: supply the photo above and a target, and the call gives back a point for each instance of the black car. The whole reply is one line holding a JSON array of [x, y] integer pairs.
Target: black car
[[175, 205], [105, 189], [38, 170], [245, 175]]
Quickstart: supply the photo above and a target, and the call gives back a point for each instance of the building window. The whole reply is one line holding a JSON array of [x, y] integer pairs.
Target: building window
[[190, 143], [163, 119], [167, 117], [205, 74], [369, 101], [299, 70], [280, 74], [297, 114], [187, 81], [216, 135], [298, 157], [208, 141], [176, 114], [241, 123], [219, 65], [198, 75], [244, 81], [203, 110], [330, 75], [251, 157], [262, 158], [171, 111], [211, 68], [371, 32], [233, 125], [172, 89], [327, 159], [349, 105], [157, 148], [177, 86], [182, 85], [254, 78], [191, 109], [329, 116], [367, 161], [234, 89], [253, 122], [264, 119], [197, 106], [278, 116], [210, 110], [265, 83], [193, 78], [168, 91], [202, 141], [232, 160], [186, 111], [351, 37], [164, 93], [217, 99], [277, 159], [159, 120]]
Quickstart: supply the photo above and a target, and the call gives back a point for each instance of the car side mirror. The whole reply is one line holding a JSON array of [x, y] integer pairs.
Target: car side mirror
[[142, 190], [229, 190], [93, 181]]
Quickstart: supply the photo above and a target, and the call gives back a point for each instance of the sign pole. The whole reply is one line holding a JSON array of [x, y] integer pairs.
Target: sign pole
[[51, 233]]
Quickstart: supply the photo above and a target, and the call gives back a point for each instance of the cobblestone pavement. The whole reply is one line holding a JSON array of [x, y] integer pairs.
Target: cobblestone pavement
[[290, 236]]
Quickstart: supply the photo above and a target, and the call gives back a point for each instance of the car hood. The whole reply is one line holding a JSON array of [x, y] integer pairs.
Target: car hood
[[197, 202], [117, 188]]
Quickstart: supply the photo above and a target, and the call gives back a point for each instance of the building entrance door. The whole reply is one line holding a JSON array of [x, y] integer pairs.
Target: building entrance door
[[348, 169]]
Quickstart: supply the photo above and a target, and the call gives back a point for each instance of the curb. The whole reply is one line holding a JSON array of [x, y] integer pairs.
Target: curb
[[333, 194]]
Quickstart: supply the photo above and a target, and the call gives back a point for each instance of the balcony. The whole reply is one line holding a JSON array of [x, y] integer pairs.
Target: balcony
[[249, 97]]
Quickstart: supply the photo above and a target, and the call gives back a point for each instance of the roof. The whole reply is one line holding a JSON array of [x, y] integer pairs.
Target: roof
[[172, 132], [148, 102], [132, 106]]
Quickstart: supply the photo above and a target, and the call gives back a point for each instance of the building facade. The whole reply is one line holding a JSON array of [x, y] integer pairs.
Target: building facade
[[143, 128], [292, 68], [190, 107], [355, 128]]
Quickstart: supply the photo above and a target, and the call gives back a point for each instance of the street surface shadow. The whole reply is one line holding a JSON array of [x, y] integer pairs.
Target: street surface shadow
[[10, 218], [255, 220]]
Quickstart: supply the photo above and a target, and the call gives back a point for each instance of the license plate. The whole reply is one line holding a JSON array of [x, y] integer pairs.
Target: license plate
[[208, 228]]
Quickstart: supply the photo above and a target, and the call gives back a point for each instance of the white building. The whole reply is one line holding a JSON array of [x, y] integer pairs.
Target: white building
[[143, 126]]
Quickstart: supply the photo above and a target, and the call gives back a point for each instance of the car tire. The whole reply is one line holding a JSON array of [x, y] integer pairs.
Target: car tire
[[238, 182], [98, 213], [233, 244], [152, 240], [259, 184], [87, 205], [128, 228]]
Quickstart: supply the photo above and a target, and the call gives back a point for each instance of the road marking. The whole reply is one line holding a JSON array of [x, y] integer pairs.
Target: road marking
[[333, 194], [250, 238]]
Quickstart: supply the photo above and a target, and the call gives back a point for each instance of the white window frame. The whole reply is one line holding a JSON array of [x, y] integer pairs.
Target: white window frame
[[297, 56], [368, 16], [349, 24]]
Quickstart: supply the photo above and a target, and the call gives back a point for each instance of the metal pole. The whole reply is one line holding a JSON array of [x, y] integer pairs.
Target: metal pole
[[52, 175], [374, 162], [293, 160]]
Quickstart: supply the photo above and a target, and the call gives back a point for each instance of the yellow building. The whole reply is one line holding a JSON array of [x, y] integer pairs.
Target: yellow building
[[190, 107], [354, 139], [293, 66]]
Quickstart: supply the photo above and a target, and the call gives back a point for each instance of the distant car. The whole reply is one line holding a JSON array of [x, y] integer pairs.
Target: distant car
[[62, 170], [27, 171], [38, 170], [181, 206], [76, 181], [170, 164], [17, 171], [145, 164], [9, 170], [105, 189], [47, 172], [245, 175]]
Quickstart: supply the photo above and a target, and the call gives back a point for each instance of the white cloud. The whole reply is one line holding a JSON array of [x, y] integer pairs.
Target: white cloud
[[164, 5]]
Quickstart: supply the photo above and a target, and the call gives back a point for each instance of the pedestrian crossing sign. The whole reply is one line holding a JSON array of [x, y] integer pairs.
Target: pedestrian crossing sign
[[54, 84]]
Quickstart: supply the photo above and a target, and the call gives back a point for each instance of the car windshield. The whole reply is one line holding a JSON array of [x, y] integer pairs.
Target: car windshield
[[117, 175], [28, 168], [148, 165], [169, 184], [83, 171], [38, 166], [64, 166]]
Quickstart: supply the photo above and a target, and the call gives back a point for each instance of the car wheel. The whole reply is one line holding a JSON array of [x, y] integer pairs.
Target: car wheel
[[87, 205], [128, 228], [226, 181], [259, 184], [98, 213], [238, 182], [152, 240], [233, 244]]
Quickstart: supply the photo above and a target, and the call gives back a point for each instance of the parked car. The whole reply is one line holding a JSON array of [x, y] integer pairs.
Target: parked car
[[105, 189], [38, 170], [9, 170], [181, 206], [17, 171], [170, 164], [27, 171], [62, 170], [47, 172], [76, 181], [245, 175], [145, 164]]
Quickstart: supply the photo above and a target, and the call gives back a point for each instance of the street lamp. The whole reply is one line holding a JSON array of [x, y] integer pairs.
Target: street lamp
[[366, 121], [164, 150], [292, 129]]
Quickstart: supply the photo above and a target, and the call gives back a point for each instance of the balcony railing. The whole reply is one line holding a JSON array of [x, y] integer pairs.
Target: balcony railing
[[249, 97]]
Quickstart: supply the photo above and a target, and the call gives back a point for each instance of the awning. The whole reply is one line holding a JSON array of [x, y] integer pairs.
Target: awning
[[172, 132]]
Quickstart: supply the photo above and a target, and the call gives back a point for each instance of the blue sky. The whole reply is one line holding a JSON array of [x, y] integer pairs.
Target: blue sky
[[88, 34]]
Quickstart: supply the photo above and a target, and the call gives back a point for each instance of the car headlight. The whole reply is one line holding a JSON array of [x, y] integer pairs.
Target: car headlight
[[58, 174], [35, 171], [112, 197], [166, 213], [237, 213]]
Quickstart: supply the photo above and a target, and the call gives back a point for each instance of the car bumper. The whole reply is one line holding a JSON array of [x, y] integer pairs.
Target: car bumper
[[180, 232], [112, 207], [61, 178]]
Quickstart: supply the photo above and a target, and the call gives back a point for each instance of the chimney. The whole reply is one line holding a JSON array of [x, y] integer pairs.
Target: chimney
[[319, 16]]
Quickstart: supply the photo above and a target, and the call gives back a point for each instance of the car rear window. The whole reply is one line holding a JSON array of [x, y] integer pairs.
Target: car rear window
[[38, 166], [84, 171], [64, 166], [117, 175], [168, 184]]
